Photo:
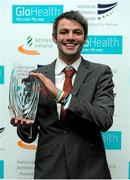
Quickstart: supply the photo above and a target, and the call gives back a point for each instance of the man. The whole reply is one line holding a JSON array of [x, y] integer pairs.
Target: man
[[70, 119]]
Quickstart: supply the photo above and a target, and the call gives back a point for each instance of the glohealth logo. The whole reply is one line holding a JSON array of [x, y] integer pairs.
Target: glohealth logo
[[112, 140], [1, 169], [1, 74], [35, 13], [102, 44], [128, 170]]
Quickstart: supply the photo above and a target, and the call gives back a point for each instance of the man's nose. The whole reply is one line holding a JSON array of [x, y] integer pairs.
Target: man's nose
[[70, 35]]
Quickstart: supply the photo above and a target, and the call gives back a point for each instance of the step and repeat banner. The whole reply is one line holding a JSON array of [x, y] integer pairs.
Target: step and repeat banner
[[26, 38]]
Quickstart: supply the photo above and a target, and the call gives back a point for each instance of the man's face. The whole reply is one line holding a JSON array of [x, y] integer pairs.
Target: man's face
[[70, 39]]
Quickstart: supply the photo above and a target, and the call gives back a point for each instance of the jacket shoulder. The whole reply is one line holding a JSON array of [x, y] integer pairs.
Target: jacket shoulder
[[41, 68], [97, 66]]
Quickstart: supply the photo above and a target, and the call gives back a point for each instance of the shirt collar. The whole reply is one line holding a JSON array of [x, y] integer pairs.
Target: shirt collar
[[60, 65]]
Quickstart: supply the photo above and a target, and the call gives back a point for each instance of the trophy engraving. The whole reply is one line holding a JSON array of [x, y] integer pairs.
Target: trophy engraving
[[23, 92]]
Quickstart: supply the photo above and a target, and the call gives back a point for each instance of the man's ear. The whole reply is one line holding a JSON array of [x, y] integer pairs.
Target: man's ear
[[54, 38]]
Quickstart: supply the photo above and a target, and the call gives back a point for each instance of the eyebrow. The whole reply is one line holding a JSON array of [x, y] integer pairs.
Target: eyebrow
[[72, 29]]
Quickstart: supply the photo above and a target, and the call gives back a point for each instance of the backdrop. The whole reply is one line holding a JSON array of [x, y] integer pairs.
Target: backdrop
[[25, 38]]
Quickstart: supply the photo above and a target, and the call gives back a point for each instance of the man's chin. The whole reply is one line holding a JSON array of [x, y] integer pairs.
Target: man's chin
[[70, 52], [71, 56]]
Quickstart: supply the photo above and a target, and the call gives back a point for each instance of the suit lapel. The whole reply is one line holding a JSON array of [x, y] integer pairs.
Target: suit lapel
[[80, 76]]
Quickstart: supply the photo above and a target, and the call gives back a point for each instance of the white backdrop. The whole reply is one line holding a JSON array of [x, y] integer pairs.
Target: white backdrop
[[30, 27]]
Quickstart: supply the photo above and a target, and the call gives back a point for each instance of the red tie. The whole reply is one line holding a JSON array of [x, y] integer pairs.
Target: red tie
[[69, 72], [68, 79]]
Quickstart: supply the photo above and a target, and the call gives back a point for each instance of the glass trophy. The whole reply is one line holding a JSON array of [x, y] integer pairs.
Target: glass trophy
[[23, 92]]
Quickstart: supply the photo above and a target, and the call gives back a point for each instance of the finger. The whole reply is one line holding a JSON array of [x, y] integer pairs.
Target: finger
[[39, 75], [33, 74], [18, 122], [13, 121], [29, 122], [24, 122]]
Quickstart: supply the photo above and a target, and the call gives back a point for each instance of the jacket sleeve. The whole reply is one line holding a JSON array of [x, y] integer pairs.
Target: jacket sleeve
[[100, 111]]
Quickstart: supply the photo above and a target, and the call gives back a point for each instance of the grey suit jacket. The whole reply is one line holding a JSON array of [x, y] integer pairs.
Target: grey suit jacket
[[75, 149]]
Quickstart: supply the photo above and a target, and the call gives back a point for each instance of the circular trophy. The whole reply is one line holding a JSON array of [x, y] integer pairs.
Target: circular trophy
[[23, 92]]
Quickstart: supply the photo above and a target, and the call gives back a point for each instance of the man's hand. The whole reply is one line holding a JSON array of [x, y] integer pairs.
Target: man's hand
[[19, 121], [49, 86]]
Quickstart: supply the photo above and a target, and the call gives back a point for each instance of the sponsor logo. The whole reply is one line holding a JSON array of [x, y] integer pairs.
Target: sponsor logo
[[97, 14], [105, 10], [26, 146], [103, 45], [35, 13], [112, 166], [28, 50], [128, 170], [2, 132], [33, 45], [1, 169], [24, 169], [112, 140], [1, 74], [2, 129]]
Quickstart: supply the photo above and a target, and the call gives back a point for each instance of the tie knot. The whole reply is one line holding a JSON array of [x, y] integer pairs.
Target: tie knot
[[69, 72]]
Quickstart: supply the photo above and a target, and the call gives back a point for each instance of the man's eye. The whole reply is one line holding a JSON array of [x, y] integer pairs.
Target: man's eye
[[63, 32], [78, 32]]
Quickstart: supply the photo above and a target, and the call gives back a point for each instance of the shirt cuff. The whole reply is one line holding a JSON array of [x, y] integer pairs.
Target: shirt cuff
[[25, 131]]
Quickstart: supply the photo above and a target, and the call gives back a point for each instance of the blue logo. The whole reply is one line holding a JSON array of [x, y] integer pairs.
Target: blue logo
[[1, 169], [128, 170], [112, 140], [105, 10], [35, 13], [103, 45], [1, 74]]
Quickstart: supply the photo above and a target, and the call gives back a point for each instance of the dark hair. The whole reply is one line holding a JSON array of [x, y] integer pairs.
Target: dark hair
[[71, 15]]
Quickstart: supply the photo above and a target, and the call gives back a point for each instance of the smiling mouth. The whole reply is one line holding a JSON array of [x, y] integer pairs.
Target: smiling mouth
[[70, 45]]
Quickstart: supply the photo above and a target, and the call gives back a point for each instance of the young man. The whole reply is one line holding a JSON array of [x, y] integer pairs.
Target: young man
[[72, 110]]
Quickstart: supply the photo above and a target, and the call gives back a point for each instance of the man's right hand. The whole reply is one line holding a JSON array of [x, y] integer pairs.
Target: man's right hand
[[21, 122]]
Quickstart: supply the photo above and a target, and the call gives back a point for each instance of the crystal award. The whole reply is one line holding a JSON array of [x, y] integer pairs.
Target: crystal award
[[23, 92]]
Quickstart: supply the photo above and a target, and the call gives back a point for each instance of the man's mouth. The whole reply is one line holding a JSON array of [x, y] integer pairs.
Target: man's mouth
[[68, 44]]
